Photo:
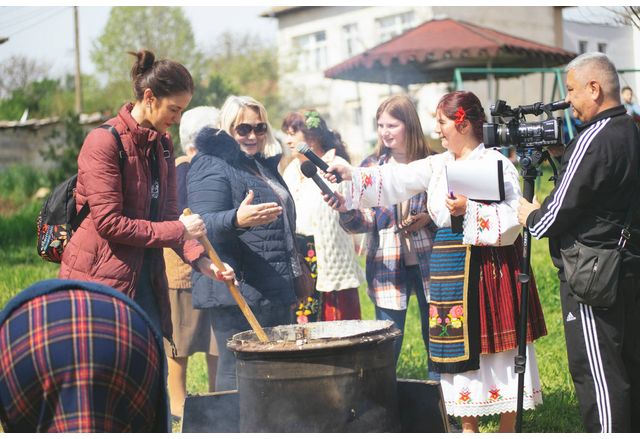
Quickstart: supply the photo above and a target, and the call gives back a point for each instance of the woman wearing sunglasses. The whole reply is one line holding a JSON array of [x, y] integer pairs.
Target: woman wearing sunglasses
[[250, 219]]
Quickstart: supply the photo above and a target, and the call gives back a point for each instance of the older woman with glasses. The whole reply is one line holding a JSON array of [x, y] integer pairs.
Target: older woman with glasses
[[250, 218]]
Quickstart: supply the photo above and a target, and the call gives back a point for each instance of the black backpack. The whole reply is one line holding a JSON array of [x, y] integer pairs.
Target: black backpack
[[58, 219]]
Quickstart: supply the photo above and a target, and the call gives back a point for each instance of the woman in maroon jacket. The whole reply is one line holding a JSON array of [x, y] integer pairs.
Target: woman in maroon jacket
[[133, 216]]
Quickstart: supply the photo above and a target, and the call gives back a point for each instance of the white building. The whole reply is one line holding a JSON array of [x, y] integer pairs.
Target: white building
[[312, 39], [620, 43]]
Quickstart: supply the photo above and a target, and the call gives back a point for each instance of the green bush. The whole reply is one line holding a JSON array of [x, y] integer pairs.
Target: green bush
[[18, 183], [20, 228]]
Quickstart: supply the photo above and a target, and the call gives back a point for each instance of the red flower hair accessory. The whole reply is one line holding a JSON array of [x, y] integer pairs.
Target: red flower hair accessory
[[461, 115]]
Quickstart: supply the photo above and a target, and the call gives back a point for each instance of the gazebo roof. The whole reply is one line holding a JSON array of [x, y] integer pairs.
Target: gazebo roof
[[431, 51]]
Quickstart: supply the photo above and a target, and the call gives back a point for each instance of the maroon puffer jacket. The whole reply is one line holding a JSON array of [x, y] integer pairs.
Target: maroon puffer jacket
[[109, 245]]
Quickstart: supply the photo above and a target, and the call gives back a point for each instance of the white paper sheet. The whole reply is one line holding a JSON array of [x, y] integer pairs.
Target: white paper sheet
[[476, 179]]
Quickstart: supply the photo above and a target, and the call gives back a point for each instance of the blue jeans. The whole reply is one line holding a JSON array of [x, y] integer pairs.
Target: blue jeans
[[413, 280], [228, 321]]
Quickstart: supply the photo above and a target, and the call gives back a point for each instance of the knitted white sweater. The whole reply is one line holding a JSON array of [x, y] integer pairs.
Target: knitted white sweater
[[338, 268]]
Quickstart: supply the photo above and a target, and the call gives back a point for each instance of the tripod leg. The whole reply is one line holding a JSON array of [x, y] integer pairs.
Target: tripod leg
[[529, 175]]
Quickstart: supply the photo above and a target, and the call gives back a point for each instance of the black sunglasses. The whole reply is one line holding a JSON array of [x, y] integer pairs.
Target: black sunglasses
[[244, 128]]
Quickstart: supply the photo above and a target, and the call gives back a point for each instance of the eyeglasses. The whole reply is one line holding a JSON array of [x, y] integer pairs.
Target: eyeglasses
[[244, 129]]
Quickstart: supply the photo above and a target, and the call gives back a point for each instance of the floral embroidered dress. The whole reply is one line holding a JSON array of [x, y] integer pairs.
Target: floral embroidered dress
[[474, 289]]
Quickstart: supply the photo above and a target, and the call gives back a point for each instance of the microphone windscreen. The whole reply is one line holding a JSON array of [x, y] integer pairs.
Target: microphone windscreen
[[303, 148], [308, 169], [559, 105]]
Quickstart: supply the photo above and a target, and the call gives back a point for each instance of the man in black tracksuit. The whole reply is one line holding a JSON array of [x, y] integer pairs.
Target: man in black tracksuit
[[598, 182]]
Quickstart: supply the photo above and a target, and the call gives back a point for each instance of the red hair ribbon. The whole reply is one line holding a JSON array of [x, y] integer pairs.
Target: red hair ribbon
[[460, 116]]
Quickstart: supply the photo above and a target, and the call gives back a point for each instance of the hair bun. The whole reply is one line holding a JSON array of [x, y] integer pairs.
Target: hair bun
[[144, 62]]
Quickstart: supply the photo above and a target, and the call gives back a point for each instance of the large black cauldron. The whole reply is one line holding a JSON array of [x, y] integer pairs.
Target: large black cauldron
[[319, 377]]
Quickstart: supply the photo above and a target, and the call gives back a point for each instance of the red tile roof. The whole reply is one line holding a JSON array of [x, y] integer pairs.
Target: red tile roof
[[430, 52]]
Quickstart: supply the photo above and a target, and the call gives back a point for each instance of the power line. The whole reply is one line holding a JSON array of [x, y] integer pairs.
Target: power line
[[30, 15], [21, 14], [57, 12]]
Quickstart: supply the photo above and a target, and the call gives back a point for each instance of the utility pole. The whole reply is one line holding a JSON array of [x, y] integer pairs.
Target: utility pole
[[78, 82]]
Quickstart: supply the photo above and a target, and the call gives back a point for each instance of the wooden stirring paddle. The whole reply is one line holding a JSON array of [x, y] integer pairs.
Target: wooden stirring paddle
[[237, 296]]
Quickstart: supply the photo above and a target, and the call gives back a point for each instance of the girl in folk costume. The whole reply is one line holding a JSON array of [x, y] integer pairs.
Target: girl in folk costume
[[475, 293], [399, 237]]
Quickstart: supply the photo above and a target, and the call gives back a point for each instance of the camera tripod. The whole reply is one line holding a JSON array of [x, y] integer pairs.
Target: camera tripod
[[530, 161]]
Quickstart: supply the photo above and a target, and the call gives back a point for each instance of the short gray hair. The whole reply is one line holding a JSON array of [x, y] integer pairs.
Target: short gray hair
[[599, 67], [193, 121]]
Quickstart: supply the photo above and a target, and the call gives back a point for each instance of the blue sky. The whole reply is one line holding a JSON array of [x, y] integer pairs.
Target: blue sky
[[46, 32]]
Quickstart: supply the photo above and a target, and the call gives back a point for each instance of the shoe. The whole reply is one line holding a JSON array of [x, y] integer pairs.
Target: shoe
[[175, 419]]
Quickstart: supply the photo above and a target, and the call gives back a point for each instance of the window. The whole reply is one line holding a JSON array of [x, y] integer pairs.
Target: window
[[389, 27], [311, 51], [602, 47], [582, 46], [351, 39]]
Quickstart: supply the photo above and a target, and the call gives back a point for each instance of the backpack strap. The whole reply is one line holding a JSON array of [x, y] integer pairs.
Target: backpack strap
[[165, 147], [122, 159], [122, 156]]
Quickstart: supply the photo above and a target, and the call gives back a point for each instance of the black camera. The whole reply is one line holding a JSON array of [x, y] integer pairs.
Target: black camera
[[516, 132]]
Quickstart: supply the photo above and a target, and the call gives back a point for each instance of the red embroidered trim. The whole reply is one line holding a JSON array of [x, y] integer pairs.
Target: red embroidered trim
[[379, 186], [499, 228]]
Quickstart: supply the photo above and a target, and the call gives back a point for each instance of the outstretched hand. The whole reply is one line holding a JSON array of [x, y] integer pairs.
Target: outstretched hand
[[336, 202], [250, 215], [344, 171]]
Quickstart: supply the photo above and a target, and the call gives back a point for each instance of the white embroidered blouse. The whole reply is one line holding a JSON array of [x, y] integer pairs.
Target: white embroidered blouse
[[494, 224], [338, 267]]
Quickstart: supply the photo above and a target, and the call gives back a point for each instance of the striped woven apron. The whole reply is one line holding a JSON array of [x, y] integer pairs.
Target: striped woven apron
[[453, 309]]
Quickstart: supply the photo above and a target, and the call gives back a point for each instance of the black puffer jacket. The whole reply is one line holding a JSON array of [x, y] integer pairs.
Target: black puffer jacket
[[219, 179]]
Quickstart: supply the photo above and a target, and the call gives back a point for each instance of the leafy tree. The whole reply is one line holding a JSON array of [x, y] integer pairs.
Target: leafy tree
[[164, 30], [213, 91], [249, 64], [18, 71], [42, 98]]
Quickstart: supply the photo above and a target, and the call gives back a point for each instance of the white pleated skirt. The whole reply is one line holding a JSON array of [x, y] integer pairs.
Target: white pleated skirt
[[493, 388]]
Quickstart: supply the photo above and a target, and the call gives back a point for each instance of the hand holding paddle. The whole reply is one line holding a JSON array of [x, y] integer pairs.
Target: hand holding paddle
[[237, 296]]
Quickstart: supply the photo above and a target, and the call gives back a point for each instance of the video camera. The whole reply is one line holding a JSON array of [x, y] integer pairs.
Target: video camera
[[516, 132]]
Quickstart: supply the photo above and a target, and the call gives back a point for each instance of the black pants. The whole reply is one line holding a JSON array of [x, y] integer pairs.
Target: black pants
[[603, 349]]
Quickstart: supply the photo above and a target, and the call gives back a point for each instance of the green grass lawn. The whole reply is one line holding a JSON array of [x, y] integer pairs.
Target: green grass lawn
[[20, 267]]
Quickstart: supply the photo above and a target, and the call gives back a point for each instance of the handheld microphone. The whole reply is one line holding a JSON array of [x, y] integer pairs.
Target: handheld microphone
[[310, 171], [558, 105], [303, 148], [538, 108]]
